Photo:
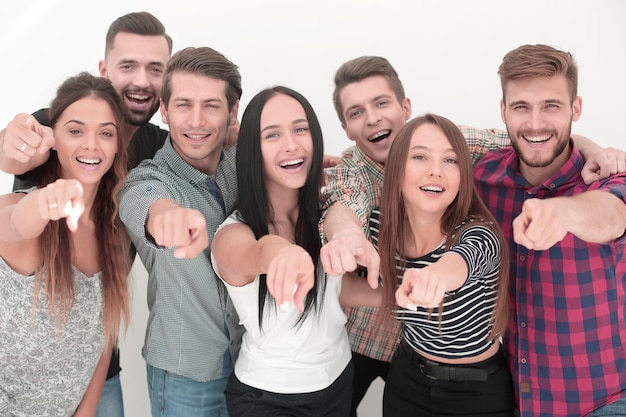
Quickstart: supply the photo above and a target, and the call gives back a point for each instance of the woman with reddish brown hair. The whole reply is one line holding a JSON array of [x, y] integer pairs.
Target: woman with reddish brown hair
[[444, 261], [64, 261]]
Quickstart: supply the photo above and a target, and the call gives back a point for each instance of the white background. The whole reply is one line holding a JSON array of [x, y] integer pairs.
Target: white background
[[446, 53]]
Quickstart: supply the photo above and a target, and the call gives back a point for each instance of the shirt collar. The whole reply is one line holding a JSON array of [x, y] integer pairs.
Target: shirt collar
[[182, 168], [569, 172], [370, 163]]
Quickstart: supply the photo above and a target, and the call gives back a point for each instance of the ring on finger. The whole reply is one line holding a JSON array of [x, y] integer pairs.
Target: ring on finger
[[23, 147], [52, 206]]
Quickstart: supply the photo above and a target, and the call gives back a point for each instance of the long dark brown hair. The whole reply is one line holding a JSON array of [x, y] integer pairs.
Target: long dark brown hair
[[55, 243], [394, 221]]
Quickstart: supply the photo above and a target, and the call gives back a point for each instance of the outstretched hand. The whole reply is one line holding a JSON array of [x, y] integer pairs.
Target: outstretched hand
[[62, 199], [346, 251], [421, 287], [290, 276], [171, 225], [24, 137], [541, 224]]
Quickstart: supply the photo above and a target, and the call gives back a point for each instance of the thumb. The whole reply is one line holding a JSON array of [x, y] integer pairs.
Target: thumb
[[47, 139], [590, 177], [403, 300], [304, 284], [75, 211]]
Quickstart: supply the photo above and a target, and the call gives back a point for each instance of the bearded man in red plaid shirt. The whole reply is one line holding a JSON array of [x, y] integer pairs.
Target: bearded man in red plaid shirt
[[567, 336]]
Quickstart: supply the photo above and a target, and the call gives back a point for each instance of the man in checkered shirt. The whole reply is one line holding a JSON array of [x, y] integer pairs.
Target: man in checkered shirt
[[567, 333]]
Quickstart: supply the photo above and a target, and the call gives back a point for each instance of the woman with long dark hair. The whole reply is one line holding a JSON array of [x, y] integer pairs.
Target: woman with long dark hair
[[295, 358]]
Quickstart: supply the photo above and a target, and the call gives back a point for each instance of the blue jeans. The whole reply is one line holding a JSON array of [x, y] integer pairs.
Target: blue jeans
[[176, 396], [618, 408], [111, 403]]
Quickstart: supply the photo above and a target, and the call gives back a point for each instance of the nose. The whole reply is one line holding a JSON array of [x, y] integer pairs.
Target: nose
[[197, 117], [140, 79], [536, 120], [435, 169], [291, 144], [372, 117], [91, 141]]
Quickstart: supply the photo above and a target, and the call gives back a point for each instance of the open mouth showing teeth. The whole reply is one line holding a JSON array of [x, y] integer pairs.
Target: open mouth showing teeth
[[196, 137], [89, 161], [380, 136], [138, 98], [537, 139], [292, 164], [432, 189]]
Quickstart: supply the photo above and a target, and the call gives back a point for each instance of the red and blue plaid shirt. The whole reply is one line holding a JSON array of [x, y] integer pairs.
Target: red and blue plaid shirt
[[566, 340]]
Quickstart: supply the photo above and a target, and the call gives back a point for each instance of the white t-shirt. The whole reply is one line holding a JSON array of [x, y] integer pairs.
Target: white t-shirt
[[284, 357]]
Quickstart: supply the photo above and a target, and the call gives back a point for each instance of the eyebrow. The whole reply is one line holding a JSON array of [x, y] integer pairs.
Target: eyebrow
[[295, 122], [550, 100], [78, 122], [134, 61], [208, 100], [354, 106], [418, 147]]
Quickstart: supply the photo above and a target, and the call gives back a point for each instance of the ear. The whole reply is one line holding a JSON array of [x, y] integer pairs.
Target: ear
[[234, 113], [102, 68], [345, 129], [406, 108], [577, 108], [163, 111], [503, 111]]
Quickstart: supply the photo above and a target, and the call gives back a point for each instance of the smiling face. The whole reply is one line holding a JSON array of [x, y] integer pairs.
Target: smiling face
[[431, 176], [197, 115], [538, 113], [135, 66], [373, 115], [286, 143], [86, 140]]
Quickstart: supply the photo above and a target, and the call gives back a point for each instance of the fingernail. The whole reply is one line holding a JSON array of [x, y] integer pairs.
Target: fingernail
[[411, 307], [285, 306]]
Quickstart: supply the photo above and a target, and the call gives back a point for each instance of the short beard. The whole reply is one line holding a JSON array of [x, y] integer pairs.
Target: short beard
[[139, 119], [560, 148]]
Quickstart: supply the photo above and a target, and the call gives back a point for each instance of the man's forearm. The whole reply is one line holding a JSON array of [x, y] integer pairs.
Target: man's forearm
[[597, 216], [340, 219], [585, 145]]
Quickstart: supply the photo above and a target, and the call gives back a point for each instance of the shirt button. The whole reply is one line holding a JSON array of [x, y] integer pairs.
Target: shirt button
[[523, 324], [524, 387], [522, 258], [523, 360]]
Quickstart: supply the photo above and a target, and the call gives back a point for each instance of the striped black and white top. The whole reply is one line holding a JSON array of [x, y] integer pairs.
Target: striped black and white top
[[462, 327]]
